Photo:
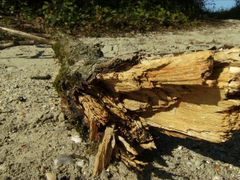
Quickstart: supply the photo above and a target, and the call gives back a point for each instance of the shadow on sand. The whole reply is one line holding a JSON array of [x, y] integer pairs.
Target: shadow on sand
[[228, 152]]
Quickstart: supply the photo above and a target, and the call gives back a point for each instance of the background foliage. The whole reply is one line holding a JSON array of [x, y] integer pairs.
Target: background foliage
[[92, 15]]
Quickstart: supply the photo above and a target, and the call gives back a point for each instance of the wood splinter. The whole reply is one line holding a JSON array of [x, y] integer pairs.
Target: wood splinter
[[194, 95], [105, 150]]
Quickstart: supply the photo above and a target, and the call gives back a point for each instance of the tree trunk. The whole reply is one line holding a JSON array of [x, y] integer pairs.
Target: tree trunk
[[193, 95], [185, 95]]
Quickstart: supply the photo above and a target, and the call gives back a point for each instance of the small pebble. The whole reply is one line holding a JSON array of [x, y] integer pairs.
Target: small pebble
[[76, 139], [179, 148], [22, 98], [217, 177], [44, 77], [61, 117], [63, 160], [2, 167], [51, 176], [80, 163], [197, 162], [46, 116]]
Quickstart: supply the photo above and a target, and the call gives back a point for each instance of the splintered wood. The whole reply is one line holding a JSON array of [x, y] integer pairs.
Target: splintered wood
[[189, 69], [193, 95], [105, 150]]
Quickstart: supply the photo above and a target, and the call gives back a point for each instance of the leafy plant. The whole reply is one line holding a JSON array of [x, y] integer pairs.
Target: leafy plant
[[102, 15]]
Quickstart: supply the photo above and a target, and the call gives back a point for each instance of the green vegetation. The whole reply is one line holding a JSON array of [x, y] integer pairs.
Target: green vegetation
[[99, 16], [123, 15]]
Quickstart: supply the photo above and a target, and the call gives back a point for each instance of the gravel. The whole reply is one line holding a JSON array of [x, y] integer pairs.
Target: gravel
[[37, 142]]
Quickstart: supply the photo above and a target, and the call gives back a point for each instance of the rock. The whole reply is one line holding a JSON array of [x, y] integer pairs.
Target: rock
[[197, 162], [51, 176], [2, 168], [43, 77], [46, 117], [61, 117], [217, 177], [22, 98], [80, 163], [76, 139], [63, 159], [179, 148]]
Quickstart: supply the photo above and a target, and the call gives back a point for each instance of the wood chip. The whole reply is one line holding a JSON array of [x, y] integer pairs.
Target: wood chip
[[105, 151]]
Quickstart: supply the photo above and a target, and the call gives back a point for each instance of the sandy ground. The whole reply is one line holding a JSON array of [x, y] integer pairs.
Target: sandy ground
[[36, 139]]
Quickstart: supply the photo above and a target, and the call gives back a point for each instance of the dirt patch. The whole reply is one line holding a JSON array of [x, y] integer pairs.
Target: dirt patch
[[35, 137]]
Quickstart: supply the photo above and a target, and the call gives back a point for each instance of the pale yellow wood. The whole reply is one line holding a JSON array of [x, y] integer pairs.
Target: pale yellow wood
[[191, 94], [105, 151], [27, 35], [187, 69]]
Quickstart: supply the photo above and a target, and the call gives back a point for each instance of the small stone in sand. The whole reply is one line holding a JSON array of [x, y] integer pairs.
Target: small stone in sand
[[51, 176], [76, 139], [63, 160]]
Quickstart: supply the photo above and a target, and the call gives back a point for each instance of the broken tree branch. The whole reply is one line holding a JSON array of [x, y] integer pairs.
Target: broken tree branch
[[27, 36], [16, 43], [192, 95]]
